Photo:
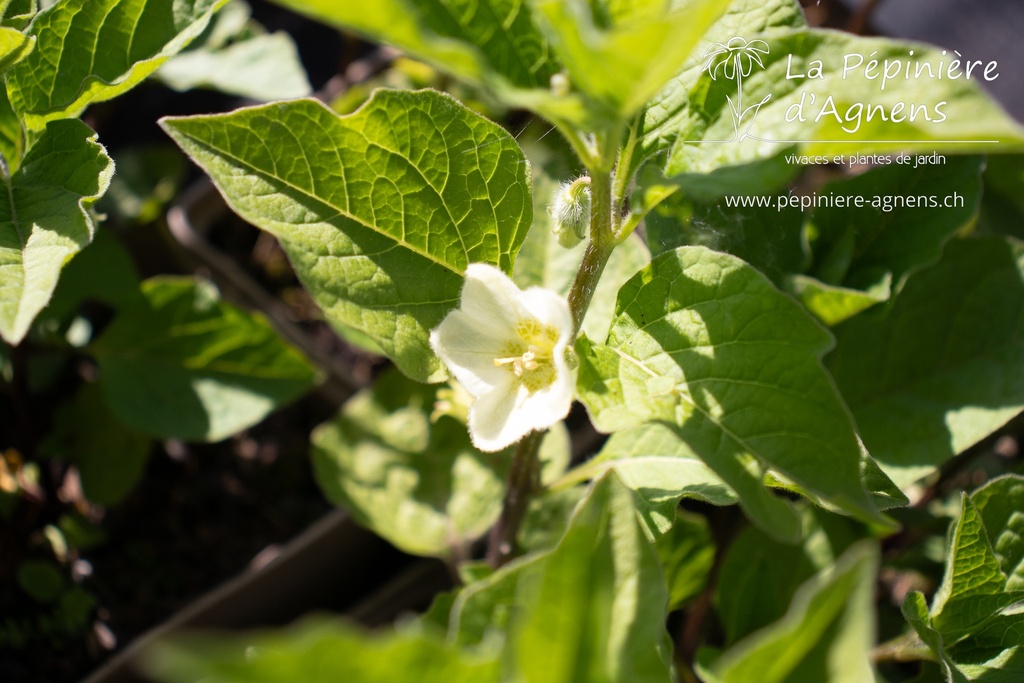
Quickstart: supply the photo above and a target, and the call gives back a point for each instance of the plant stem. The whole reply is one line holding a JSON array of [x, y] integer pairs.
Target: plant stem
[[904, 648], [524, 477], [523, 480], [598, 250]]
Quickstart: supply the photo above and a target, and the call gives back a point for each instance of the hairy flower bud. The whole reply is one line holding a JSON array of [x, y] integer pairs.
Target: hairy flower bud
[[570, 209]]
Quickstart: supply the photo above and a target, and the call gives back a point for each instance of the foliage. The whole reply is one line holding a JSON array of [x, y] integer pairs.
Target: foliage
[[818, 369]]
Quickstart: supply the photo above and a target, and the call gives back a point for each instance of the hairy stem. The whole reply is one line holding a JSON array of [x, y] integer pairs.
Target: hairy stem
[[598, 250], [523, 481], [524, 477]]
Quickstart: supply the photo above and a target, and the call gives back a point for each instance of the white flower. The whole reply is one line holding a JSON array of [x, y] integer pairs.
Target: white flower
[[508, 349]]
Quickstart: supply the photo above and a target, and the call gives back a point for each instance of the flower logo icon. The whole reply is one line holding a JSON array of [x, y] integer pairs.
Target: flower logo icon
[[735, 61]]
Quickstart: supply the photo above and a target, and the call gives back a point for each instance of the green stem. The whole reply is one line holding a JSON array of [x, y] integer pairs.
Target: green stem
[[602, 241], [904, 648], [624, 169], [524, 477], [523, 481]]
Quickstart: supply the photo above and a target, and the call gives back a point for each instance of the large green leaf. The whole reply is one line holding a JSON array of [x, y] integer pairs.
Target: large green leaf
[[837, 258], [619, 54], [945, 367], [975, 625], [595, 608], [660, 469], [181, 364], [319, 651], [827, 634], [759, 575], [44, 219], [693, 118], [496, 43], [591, 609], [380, 211], [869, 247], [703, 342], [419, 484], [93, 50]]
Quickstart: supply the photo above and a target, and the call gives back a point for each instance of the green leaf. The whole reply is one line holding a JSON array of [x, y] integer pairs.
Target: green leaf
[[768, 238], [973, 587], [109, 456], [660, 469], [760, 575], [318, 651], [694, 117], [182, 364], [705, 343], [262, 68], [481, 611], [12, 135], [1002, 206], [1001, 504], [547, 517], [104, 272], [975, 626], [461, 38], [619, 54], [915, 611], [380, 211], [18, 13], [996, 653], [687, 556], [945, 367], [888, 242], [14, 46], [41, 580], [594, 608], [93, 50], [846, 258], [44, 219], [827, 634], [591, 609], [832, 304], [420, 485]]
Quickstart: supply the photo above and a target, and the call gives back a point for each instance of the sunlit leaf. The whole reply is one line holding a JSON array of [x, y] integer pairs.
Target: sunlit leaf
[[93, 50], [380, 211], [180, 363], [44, 219]]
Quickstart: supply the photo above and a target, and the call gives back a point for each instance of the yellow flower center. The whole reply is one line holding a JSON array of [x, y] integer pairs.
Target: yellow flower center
[[531, 356]]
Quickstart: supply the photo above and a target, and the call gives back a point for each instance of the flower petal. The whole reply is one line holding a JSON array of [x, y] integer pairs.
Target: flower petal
[[491, 297], [504, 416], [468, 346], [548, 308]]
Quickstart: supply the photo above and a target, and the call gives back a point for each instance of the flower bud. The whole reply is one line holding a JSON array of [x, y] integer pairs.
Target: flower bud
[[570, 209]]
